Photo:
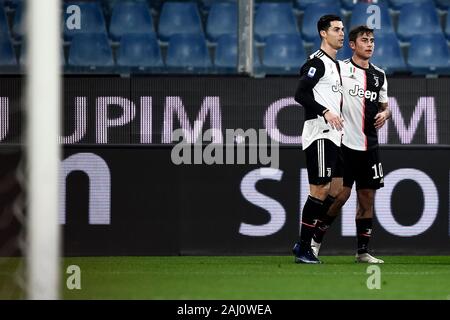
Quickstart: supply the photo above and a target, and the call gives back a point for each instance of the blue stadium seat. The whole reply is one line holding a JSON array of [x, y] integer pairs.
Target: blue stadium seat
[[18, 25], [274, 18], [222, 19], [90, 50], [140, 50], [283, 53], [7, 55], [417, 18], [397, 4], [130, 17], [13, 3], [361, 16], [226, 54], [207, 4], [312, 14], [387, 54], [429, 53], [447, 26], [177, 18], [187, 53], [302, 4], [348, 4], [92, 19], [4, 28], [344, 53], [442, 4]]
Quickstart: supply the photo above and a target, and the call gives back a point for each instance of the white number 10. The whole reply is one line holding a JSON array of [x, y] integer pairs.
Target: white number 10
[[379, 172]]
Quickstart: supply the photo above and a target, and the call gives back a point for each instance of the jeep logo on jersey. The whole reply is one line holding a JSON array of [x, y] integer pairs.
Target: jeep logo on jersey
[[337, 87], [359, 92]]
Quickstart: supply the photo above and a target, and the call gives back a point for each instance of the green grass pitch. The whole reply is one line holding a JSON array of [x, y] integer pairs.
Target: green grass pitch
[[254, 277]]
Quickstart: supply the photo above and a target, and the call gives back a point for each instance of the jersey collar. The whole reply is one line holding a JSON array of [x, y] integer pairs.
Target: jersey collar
[[334, 60], [358, 66]]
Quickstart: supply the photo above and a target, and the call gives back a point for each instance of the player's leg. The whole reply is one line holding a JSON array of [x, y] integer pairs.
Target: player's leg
[[369, 179], [320, 156], [336, 198], [364, 218]]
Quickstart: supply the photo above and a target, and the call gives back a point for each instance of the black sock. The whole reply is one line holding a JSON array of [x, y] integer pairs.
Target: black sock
[[311, 211], [364, 231], [325, 220]]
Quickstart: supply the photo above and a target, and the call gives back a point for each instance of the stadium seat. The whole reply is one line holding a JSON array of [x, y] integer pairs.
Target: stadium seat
[[348, 4], [274, 18], [302, 4], [177, 18], [387, 54], [447, 25], [12, 3], [130, 17], [4, 28], [360, 16], [397, 4], [207, 4], [18, 25], [90, 50], [222, 19], [429, 53], [283, 53], [7, 55], [417, 18], [92, 19], [226, 54], [139, 50], [442, 4], [188, 52], [312, 14]]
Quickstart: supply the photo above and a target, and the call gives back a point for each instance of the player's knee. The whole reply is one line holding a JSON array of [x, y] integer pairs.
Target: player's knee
[[320, 191]]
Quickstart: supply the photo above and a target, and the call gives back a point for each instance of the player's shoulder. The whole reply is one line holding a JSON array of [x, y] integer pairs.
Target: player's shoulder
[[344, 62], [315, 60], [377, 69]]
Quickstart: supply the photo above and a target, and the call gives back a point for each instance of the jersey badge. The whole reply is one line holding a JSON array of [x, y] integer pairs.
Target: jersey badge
[[377, 82], [311, 72]]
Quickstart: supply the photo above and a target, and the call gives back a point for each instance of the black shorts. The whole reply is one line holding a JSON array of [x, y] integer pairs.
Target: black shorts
[[323, 161], [362, 167]]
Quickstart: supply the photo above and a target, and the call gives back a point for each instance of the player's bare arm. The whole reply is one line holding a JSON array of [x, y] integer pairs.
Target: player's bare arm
[[383, 115]]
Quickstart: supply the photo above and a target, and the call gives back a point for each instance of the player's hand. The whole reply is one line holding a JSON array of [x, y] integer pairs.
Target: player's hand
[[334, 120], [380, 119]]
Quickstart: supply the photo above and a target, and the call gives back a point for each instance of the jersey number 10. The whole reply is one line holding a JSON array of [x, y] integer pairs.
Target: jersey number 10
[[378, 171]]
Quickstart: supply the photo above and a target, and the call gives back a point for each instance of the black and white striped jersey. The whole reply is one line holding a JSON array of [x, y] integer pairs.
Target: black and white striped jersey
[[364, 89], [320, 88]]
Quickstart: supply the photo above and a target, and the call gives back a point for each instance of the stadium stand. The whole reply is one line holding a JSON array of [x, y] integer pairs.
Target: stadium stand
[[417, 18], [274, 18], [312, 13], [283, 53], [222, 19], [130, 17], [429, 53], [388, 54], [91, 50], [178, 18], [188, 52], [93, 20], [217, 20], [139, 50], [7, 55], [361, 13]]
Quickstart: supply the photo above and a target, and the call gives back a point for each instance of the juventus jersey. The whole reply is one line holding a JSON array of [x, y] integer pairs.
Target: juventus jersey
[[320, 88], [364, 89]]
